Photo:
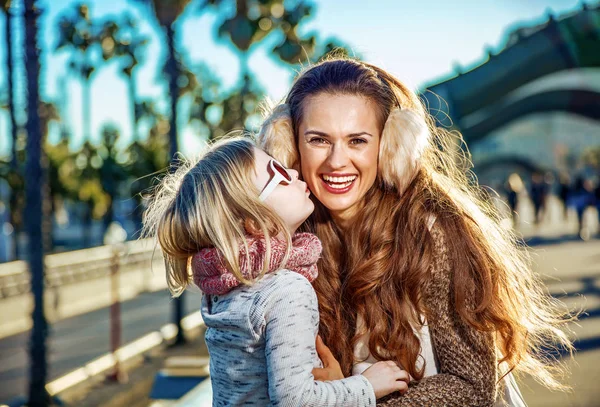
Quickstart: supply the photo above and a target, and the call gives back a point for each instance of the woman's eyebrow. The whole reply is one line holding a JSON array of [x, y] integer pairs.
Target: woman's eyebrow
[[362, 133], [316, 133], [322, 134]]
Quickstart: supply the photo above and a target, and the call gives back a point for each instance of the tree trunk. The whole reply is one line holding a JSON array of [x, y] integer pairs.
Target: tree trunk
[[178, 304], [172, 73], [86, 224], [134, 111], [14, 162], [137, 216], [87, 106], [47, 197], [38, 397], [16, 220]]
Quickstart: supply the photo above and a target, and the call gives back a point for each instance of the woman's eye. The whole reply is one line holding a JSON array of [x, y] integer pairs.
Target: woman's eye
[[317, 140], [357, 141]]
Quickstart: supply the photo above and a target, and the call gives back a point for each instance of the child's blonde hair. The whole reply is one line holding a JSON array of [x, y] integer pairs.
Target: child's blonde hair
[[211, 202]]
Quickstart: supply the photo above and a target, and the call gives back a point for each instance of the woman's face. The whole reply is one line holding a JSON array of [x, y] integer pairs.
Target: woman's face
[[290, 201], [338, 140]]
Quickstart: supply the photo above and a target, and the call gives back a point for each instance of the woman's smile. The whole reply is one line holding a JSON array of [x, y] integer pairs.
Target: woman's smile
[[338, 183]]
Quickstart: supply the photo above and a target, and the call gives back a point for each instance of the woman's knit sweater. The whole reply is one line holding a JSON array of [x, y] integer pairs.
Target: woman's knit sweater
[[466, 357]]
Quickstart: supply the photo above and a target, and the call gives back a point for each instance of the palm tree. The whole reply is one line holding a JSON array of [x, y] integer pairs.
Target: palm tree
[[123, 40], [89, 188], [145, 158], [111, 173], [240, 106], [167, 11], [206, 108], [252, 22], [294, 49], [83, 38], [38, 397]]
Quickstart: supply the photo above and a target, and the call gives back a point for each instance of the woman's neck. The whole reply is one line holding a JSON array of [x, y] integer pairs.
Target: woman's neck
[[345, 218]]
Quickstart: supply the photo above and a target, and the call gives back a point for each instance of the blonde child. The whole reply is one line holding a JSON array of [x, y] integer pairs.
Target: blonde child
[[227, 223]]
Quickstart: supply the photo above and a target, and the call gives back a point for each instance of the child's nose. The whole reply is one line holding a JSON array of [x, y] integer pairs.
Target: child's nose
[[295, 174]]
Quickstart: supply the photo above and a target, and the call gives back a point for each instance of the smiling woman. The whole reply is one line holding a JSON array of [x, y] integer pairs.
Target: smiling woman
[[415, 267]]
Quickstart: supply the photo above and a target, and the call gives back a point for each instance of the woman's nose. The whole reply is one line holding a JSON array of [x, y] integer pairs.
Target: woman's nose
[[338, 157]]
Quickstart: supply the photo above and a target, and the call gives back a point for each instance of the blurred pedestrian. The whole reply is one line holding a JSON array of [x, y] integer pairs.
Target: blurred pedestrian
[[564, 188], [581, 198], [538, 191], [513, 187]]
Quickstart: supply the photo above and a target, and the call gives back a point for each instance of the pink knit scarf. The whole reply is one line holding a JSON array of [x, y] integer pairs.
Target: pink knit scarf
[[212, 277]]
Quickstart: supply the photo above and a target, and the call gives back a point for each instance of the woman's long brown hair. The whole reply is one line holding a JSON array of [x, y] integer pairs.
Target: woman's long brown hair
[[378, 270]]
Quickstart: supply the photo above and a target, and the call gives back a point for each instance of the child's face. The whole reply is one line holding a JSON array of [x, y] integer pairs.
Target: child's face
[[291, 202]]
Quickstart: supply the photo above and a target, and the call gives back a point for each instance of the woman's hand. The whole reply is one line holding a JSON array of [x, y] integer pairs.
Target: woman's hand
[[331, 369], [386, 377]]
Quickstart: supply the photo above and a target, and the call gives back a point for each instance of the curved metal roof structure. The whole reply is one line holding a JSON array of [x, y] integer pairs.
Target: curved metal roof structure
[[580, 102], [569, 42]]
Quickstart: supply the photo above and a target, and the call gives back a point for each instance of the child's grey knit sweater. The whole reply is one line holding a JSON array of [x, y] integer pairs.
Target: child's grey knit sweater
[[261, 340]]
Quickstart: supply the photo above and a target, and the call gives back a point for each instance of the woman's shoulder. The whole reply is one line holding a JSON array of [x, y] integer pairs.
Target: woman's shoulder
[[440, 270], [436, 230]]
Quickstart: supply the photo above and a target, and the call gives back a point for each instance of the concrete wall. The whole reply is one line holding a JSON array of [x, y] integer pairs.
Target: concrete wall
[[78, 282]]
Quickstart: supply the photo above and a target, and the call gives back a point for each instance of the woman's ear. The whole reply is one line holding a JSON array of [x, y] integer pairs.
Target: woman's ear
[[276, 137], [403, 140]]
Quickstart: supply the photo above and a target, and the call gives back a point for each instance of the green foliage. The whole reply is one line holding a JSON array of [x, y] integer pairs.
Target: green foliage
[[206, 105], [144, 158], [240, 107], [78, 34], [5, 5], [121, 39]]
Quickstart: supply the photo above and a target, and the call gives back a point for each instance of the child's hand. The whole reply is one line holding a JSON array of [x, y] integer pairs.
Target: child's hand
[[386, 377], [331, 368]]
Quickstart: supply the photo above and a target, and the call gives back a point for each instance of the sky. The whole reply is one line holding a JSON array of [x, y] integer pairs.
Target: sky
[[420, 42]]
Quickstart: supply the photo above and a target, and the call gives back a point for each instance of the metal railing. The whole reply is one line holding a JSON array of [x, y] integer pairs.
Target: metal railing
[[75, 266]]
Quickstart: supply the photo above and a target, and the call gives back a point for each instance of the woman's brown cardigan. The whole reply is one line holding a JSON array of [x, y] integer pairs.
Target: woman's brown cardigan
[[466, 357]]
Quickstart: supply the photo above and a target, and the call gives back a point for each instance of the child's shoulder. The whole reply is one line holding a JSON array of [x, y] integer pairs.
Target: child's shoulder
[[283, 279], [283, 285]]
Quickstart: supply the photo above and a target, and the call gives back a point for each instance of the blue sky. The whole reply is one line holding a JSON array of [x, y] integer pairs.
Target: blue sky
[[418, 41]]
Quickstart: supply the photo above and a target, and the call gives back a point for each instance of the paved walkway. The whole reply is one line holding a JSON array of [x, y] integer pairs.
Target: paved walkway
[[76, 341], [571, 271]]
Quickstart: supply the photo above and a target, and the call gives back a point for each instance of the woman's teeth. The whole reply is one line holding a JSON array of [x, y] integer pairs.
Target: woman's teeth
[[339, 182]]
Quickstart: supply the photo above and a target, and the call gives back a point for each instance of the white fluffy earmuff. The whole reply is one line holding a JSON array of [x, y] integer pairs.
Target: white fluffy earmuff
[[405, 136]]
